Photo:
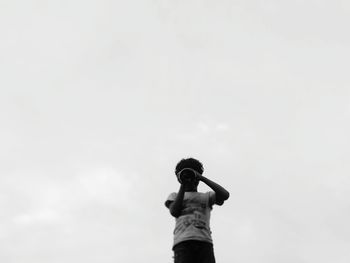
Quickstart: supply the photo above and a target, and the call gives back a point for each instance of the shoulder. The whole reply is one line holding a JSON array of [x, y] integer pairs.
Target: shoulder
[[207, 197], [170, 199], [211, 198]]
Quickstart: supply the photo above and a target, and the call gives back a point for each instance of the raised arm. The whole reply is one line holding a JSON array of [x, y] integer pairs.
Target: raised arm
[[176, 206], [221, 193]]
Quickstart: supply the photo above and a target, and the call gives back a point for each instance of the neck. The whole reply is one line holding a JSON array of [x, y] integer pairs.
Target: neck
[[191, 190]]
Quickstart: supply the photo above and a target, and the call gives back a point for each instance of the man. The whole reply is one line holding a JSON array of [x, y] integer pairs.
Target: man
[[192, 235]]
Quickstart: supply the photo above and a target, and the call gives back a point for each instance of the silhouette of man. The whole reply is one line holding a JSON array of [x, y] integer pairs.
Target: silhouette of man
[[192, 235]]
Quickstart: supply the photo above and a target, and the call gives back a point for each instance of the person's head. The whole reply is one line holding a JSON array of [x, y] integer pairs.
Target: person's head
[[185, 166]]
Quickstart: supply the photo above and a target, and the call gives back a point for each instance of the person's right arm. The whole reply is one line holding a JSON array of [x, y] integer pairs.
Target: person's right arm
[[176, 206]]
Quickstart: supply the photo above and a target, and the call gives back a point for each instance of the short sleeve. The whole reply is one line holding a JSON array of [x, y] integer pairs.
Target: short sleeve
[[170, 199], [212, 198]]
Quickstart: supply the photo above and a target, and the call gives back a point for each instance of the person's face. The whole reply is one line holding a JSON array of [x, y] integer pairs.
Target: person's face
[[189, 179], [191, 186]]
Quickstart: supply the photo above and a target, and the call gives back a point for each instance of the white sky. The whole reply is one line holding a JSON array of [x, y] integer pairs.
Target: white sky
[[100, 99]]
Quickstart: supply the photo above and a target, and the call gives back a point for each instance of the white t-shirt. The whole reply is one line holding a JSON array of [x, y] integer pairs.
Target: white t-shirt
[[194, 221]]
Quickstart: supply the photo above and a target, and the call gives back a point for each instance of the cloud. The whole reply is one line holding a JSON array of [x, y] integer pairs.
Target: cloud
[[45, 216], [96, 81], [32, 198], [203, 130], [103, 184]]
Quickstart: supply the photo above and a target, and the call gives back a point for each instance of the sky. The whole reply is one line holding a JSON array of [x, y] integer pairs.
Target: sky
[[100, 99]]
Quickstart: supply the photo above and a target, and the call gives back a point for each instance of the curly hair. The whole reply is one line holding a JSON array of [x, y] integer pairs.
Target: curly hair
[[189, 163]]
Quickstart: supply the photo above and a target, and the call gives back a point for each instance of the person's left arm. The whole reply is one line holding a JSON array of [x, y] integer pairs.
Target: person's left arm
[[221, 194]]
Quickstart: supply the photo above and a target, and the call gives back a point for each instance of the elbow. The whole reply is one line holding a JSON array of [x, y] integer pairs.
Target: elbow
[[223, 197], [174, 214], [227, 196], [220, 199]]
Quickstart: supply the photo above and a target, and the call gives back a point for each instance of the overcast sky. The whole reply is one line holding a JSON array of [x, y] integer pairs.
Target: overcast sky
[[99, 99]]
